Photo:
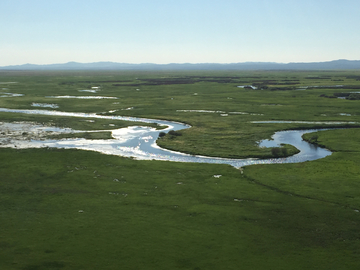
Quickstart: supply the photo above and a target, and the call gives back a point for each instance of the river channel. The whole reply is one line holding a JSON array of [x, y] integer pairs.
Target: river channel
[[139, 142]]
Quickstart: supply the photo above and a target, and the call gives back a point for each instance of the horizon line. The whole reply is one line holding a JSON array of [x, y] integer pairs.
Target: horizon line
[[178, 63]]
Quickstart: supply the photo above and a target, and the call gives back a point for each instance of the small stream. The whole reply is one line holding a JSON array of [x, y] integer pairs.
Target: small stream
[[140, 142]]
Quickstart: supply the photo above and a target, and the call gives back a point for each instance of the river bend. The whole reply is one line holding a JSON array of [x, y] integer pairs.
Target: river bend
[[140, 142]]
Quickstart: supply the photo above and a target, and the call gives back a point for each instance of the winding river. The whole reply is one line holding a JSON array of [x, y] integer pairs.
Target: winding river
[[140, 142]]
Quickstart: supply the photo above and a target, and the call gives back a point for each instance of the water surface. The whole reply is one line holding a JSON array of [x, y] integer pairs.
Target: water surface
[[83, 97], [140, 142]]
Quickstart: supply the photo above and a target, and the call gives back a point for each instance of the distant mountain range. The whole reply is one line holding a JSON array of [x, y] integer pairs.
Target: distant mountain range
[[330, 65]]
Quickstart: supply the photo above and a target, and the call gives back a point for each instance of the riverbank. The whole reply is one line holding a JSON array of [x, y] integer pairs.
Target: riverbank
[[140, 142]]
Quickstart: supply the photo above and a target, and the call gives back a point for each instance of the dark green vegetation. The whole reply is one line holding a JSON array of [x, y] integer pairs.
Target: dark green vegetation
[[65, 209]]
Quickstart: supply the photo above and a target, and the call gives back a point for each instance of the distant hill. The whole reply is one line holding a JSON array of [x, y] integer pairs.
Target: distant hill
[[330, 65]]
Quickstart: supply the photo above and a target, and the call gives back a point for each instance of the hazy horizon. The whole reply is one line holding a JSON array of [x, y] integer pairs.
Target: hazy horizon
[[209, 63], [163, 32]]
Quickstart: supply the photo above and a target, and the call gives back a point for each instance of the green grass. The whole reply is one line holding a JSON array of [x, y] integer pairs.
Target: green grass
[[235, 135], [165, 215]]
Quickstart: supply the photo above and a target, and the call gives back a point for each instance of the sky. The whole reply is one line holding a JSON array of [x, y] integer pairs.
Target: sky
[[178, 31]]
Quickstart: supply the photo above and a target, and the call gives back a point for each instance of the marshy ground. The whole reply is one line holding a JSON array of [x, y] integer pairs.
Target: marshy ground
[[72, 209]]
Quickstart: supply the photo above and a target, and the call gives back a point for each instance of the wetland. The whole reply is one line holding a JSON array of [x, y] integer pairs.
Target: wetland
[[140, 142], [66, 208]]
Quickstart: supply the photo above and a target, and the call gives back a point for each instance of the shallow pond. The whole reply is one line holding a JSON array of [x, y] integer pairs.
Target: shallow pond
[[45, 105], [10, 95], [140, 142], [89, 90]]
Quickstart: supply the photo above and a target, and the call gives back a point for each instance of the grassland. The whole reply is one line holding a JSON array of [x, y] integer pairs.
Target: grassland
[[67, 209]]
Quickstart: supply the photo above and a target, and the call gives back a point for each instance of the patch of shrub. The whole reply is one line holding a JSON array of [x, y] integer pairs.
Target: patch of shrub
[[354, 96], [279, 151], [174, 133], [314, 139], [276, 151], [341, 94], [326, 96]]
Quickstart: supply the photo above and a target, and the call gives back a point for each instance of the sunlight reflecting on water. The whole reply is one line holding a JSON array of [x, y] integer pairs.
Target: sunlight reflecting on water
[[140, 142]]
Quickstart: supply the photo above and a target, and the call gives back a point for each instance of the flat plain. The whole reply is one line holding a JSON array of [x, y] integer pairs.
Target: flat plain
[[72, 209]]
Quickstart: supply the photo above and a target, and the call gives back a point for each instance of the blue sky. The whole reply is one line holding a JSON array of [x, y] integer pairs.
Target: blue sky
[[178, 31]]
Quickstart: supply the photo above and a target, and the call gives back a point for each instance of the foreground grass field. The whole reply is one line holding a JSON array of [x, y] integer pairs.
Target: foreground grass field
[[67, 209]]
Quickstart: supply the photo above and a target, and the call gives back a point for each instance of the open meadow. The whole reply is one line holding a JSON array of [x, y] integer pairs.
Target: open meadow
[[74, 209]]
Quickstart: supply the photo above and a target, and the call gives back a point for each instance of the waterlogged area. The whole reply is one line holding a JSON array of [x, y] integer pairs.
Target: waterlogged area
[[319, 86], [88, 90], [305, 122], [247, 86], [45, 105], [10, 95], [83, 97], [11, 133], [140, 142], [92, 90], [220, 112], [200, 111]]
